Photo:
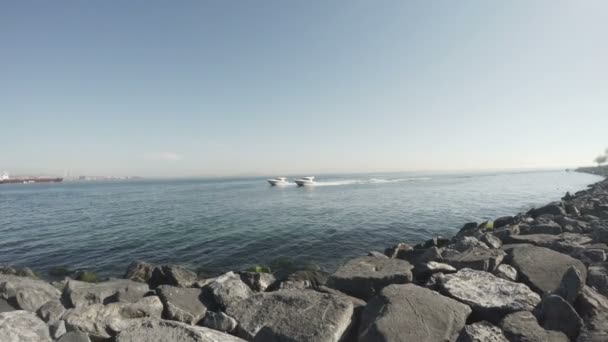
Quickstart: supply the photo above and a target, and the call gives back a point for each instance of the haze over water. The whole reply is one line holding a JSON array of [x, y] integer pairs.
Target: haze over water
[[232, 224]]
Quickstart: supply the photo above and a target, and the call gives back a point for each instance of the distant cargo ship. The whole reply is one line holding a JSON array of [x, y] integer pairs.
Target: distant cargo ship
[[5, 179]]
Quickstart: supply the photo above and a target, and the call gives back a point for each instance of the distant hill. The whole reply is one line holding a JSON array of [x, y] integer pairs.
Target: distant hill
[[596, 170]]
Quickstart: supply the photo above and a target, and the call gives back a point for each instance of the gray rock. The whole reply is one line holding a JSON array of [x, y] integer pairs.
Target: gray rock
[[172, 275], [551, 209], [27, 293], [411, 313], [554, 313], [376, 254], [364, 277], [468, 229], [551, 228], [51, 311], [7, 269], [57, 329], [532, 239], [5, 306], [503, 221], [490, 297], [423, 271], [22, 326], [482, 259], [26, 272], [468, 242], [598, 278], [506, 272], [182, 304], [481, 332], [149, 330], [99, 320], [504, 232], [593, 309], [80, 293], [75, 336], [358, 304], [522, 327], [228, 289], [258, 282], [543, 269], [571, 285], [421, 255], [491, 240], [139, 271], [293, 315], [397, 250], [219, 321]]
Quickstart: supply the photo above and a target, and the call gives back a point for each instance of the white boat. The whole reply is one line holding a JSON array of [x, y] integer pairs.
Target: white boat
[[305, 181], [278, 181]]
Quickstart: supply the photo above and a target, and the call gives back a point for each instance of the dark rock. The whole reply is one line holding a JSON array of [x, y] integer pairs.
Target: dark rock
[[522, 327], [437, 241], [6, 269], [219, 321], [468, 229], [468, 242], [182, 304], [395, 251], [80, 293], [152, 330], [551, 228], [292, 315], [26, 272], [74, 336], [376, 254], [598, 278], [172, 275], [5, 306], [228, 289], [51, 311], [26, 293], [410, 313], [503, 221], [22, 326], [490, 297], [481, 332], [543, 269], [551, 209], [482, 259], [504, 232], [140, 271], [593, 308], [364, 277], [491, 240], [554, 313], [506, 272], [416, 256], [571, 285], [259, 282]]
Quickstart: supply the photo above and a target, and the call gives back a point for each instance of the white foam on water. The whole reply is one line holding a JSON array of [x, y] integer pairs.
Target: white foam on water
[[369, 181]]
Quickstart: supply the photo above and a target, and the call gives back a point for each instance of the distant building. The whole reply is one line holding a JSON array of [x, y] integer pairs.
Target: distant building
[[4, 176]]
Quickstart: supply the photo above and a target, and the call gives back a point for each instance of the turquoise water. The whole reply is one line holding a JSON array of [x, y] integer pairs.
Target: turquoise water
[[222, 224]]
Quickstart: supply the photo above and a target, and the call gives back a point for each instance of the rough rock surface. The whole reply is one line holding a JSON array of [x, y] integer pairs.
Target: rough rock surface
[[57, 329], [410, 313], [75, 336], [364, 277], [491, 240], [100, 320], [140, 271], [482, 259], [27, 293], [164, 331], [22, 326], [507, 272], [228, 289], [80, 293], [172, 275], [181, 303], [482, 332], [219, 321], [571, 285], [293, 315], [5, 306], [551, 209], [593, 309], [554, 313], [257, 281], [522, 326], [51, 311], [543, 269], [465, 243], [598, 278], [490, 297]]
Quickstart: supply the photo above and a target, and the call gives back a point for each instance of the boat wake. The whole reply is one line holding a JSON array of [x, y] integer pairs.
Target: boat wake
[[369, 181]]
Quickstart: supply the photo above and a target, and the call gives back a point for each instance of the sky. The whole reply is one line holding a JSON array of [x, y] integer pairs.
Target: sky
[[202, 88]]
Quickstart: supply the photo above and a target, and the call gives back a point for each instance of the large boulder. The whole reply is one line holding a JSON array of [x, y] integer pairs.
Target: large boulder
[[503, 221], [490, 297], [26, 293], [22, 326], [172, 275], [549, 209], [182, 304], [593, 309], [522, 326], [543, 269], [482, 332], [598, 278], [149, 330], [103, 321], [258, 281], [74, 336], [80, 293], [571, 285], [365, 276], [140, 271], [397, 250], [219, 321], [482, 259], [51, 311], [411, 313], [551, 228], [468, 242], [554, 313], [292, 315], [507, 272], [228, 289], [5, 306]]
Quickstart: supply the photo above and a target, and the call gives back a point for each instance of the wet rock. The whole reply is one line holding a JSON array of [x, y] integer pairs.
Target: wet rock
[[504, 232], [481, 332], [571, 285], [550, 228], [75, 336], [139, 271], [491, 240], [551, 209], [26, 272], [57, 329], [150, 330], [293, 315], [543, 269], [259, 282], [22, 326], [395, 251], [228, 289], [490, 297], [468, 242], [51, 311], [103, 321], [522, 326], [364, 277], [554, 313], [182, 304], [506, 272], [593, 309], [482, 259], [598, 278], [7, 269], [410, 313], [503, 221], [376, 254], [80, 293], [219, 321], [422, 271], [436, 241], [172, 275], [26, 293], [468, 229]]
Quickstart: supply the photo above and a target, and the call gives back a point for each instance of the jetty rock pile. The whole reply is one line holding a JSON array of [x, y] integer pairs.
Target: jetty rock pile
[[535, 276]]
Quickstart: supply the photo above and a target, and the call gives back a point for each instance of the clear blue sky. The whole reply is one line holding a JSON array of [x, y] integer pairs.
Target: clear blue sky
[[164, 88]]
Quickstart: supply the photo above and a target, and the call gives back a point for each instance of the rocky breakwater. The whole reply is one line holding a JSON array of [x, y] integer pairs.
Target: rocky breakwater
[[535, 276]]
